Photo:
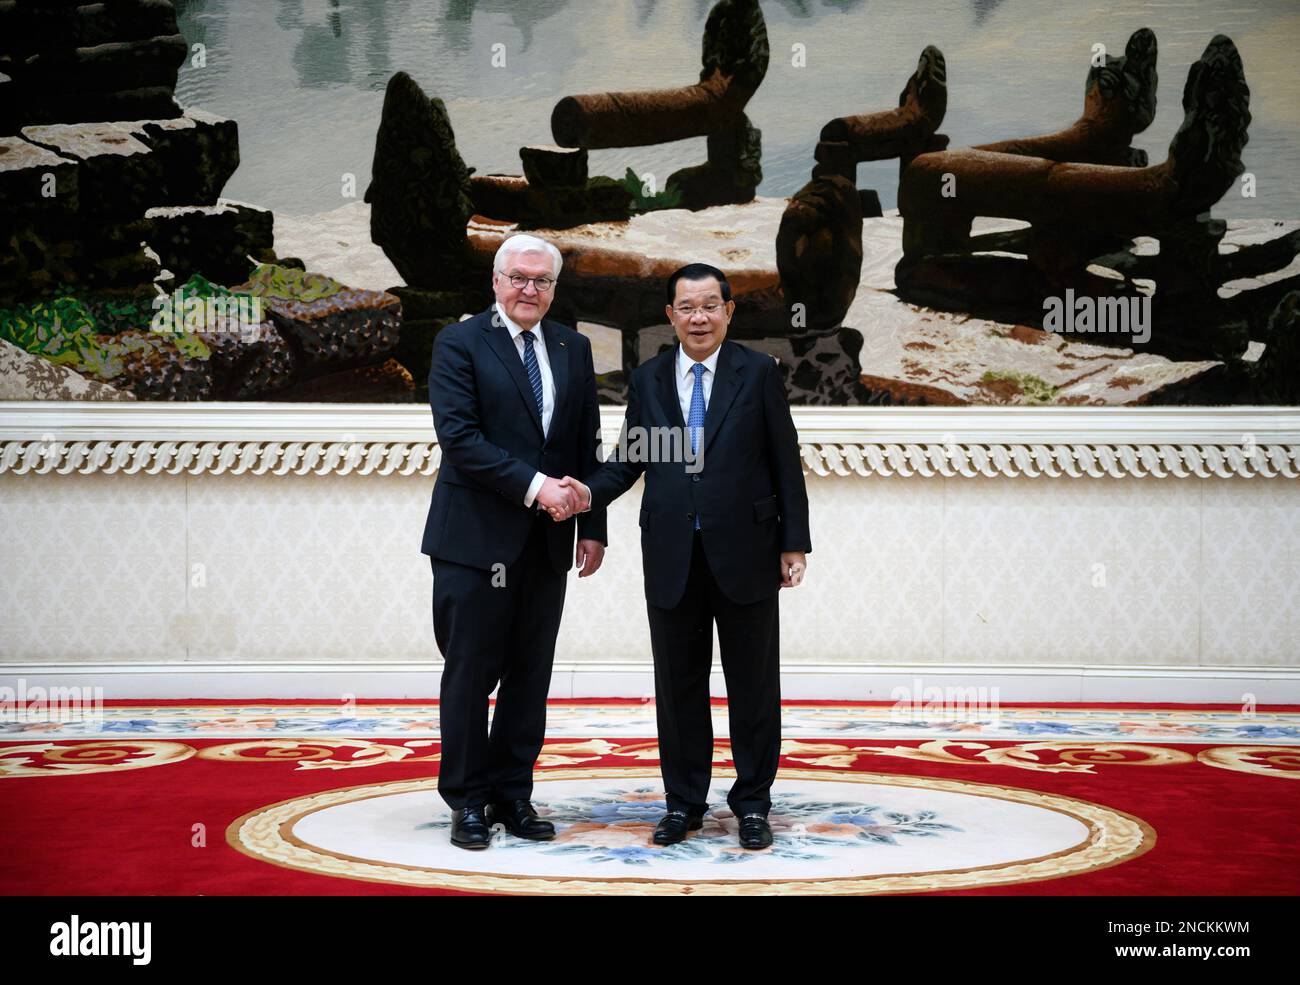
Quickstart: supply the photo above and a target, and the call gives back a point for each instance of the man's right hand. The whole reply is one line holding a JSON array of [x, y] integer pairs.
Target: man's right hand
[[581, 492], [559, 500]]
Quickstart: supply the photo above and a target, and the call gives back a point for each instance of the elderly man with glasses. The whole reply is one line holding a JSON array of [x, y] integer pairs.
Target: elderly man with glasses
[[514, 407]]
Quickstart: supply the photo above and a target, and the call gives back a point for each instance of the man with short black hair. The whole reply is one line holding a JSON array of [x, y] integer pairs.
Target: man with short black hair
[[721, 534]]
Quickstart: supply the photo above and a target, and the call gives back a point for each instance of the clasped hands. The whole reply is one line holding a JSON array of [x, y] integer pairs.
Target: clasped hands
[[562, 498]]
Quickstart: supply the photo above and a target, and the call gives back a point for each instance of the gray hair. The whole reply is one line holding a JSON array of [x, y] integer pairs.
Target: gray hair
[[523, 243]]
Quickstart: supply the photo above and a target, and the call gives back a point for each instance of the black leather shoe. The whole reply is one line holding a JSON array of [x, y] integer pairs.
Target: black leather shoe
[[469, 827], [755, 832], [674, 826], [521, 820]]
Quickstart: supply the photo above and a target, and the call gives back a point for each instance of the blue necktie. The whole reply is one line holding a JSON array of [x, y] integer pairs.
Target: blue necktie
[[695, 419], [534, 371]]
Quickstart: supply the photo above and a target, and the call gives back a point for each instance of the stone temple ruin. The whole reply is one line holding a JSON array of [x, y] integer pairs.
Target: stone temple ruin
[[1104, 225], [819, 243], [1086, 195], [110, 214], [1093, 208], [734, 63], [110, 200], [1094, 219], [422, 194]]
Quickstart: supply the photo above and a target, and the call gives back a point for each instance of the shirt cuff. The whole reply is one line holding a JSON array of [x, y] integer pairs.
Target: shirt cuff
[[534, 488]]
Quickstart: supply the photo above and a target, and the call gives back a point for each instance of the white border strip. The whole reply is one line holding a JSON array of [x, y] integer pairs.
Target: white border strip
[[327, 681], [85, 437]]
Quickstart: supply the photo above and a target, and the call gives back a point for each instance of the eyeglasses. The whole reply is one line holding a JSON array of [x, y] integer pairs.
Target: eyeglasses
[[686, 311], [543, 284]]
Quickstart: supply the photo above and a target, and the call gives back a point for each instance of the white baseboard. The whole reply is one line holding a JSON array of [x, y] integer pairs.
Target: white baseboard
[[329, 681]]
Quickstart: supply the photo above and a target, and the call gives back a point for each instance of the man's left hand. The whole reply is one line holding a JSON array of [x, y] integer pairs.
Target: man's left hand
[[793, 566], [588, 557]]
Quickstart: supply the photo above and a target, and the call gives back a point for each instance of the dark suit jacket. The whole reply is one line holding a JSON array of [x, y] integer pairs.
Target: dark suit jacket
[[750, 493], [490, 434]]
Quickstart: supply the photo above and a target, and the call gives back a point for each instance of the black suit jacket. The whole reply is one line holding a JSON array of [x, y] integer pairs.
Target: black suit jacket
[[750, 493], [490, 434]]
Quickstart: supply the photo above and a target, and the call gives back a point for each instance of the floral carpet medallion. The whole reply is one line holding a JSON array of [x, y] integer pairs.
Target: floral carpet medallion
[[616, 824], [833, 834]]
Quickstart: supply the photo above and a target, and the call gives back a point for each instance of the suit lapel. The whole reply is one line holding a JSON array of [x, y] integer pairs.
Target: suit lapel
[[666, 376], [557, 354], [726, 385], [499, 340]]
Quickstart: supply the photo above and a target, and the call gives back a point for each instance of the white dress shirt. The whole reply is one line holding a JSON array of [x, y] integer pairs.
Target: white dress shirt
[[686, 386], [548, 384], [686, 379]]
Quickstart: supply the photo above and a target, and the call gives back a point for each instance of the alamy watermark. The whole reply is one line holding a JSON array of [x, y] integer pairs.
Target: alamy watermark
[[639, 445], [102, 938], [28, 705], [1086, 314], [969, 705]]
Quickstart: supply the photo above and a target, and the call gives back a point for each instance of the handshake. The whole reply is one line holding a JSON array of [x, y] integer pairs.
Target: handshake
[[562, 498]]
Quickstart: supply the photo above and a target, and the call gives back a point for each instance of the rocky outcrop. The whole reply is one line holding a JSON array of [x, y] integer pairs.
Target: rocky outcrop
[[95, 62], [213, 240], [330, 325], [419, 188], [280, 329], [154, 368], [386, 382], [93, 140], [24, 376], [109, 194], [77, 200]]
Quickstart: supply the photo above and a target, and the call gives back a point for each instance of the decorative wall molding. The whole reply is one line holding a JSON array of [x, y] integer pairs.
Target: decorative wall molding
[[63, 437], [217, 457]]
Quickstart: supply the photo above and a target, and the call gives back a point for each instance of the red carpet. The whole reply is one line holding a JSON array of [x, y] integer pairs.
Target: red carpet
[[163, 829]]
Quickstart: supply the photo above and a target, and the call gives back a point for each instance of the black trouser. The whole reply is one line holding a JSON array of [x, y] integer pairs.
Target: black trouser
[[681, 639], [495, 627]]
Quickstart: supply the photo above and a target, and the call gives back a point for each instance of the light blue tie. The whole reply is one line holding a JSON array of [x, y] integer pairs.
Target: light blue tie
[[534, 371], [695, 419]]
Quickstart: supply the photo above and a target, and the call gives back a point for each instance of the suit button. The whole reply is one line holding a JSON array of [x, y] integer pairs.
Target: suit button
[[690, 516], [695, 478]]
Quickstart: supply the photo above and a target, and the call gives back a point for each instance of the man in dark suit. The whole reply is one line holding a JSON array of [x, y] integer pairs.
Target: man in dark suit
[[514, 406], [724, 526]]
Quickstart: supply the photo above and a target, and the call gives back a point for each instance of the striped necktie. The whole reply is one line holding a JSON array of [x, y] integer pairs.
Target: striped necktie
[[534, 371]]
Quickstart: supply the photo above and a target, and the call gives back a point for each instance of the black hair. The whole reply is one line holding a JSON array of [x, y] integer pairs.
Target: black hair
[[698, 271]]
